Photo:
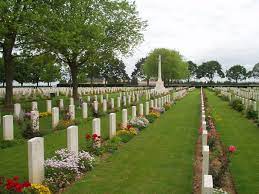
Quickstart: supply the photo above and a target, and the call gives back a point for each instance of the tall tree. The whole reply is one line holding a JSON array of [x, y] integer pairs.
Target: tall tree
[[15, 17], [173, 66], [209, 70], [192, 67], [22, 70], [255, 71], [236, 72], [138, 72], [2, 74], [75, 30]]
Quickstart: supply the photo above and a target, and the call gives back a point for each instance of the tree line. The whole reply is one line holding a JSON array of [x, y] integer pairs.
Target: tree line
[[79, 35]]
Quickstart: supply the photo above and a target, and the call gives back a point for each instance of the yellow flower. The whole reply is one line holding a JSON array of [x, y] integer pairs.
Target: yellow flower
[[40, 189]]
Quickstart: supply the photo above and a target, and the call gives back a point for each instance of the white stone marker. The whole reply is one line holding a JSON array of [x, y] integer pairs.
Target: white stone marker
[[124, 101], [35, 121], [101, 98], [141, 112], [204, 125], [61, 104], [95, 106], [104, 105], [55, 117], [107, 97], [118, 102], [17, 110], [204, 137], [88, 98], [85, 111], [124, 118], [8, 127], [112, 125], [36, 160], [205, 160], [134, 112], [71, 109], [34, 106], [71, 101], [112, 103], [48, 106], [97, 129], [155, 105], [72, 139], [152, 104], [96, 124], [207, 187], [203, 118], [147, 108]]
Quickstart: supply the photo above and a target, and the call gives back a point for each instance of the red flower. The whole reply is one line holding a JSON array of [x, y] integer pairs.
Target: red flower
[[26, 184], [95, 136], [88, 136], [232, 149], [15, 178]]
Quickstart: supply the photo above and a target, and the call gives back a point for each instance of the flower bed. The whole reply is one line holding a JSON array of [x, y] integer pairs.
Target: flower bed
[[219, 155], [62, 169]]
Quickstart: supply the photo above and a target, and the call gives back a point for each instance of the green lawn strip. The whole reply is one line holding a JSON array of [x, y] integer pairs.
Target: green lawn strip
[[159, 160], [237, 130], [13, 160]]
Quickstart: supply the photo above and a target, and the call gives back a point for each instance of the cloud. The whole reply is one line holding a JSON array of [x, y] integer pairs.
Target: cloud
[[201, 30]]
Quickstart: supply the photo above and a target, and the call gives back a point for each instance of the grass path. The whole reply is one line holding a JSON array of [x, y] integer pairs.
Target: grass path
[[159, 160], [237, 130]]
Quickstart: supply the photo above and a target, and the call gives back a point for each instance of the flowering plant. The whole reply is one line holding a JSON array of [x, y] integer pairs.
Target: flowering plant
[[232, 149], [139, 122], [93, 144], [65, 166], [38, 188], [13, 185], [167, 106], [44, 114], [158, 109], [63, 124]]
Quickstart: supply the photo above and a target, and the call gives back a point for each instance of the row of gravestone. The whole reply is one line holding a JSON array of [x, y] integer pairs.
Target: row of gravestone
[[207, 180], [36, 145], [8, 128]]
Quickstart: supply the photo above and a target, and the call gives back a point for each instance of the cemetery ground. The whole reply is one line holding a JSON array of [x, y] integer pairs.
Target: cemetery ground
[[14, 159], [157, 161], [237, 130]]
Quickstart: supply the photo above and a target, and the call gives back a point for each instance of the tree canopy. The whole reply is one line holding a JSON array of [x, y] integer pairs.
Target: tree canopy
[[236, 72], [78, 32], [209, 69], [173, 65]]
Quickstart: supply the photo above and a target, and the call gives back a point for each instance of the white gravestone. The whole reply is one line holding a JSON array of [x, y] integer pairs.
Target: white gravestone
[[72, 139], [36, 160]]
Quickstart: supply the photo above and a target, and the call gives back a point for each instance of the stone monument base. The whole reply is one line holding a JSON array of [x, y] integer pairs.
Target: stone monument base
[[160, 88]]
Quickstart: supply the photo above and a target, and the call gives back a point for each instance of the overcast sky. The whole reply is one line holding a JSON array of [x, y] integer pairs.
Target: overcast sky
[[222, 30]]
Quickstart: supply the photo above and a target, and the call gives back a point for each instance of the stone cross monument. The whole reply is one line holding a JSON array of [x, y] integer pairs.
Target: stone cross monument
[[160, 88]]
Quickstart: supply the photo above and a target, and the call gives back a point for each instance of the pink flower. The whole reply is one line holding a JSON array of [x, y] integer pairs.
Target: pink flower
[[232, 149]]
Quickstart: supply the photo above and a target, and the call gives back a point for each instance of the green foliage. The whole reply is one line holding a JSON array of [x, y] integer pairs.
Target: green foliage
[[209, 70], [251, 114], [27, 131], [126, 137], [237, 105], [112, 144], [138, 71], [151, 118], [6, 143], [173, 66], [236, 72], [192, 67], [255, 71]]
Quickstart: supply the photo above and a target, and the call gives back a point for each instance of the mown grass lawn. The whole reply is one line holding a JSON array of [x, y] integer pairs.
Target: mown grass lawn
[[159, 160], [13, 160], [237, 130]]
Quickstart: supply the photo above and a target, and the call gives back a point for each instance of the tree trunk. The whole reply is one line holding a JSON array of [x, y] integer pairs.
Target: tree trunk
[[37, 84], [9, 68], [74, 69]]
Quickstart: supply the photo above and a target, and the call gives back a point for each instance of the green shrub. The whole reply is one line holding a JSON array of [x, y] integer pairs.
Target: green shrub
[[126, 137], [237, 105], [112, 144], [251, 114], [151, 118], [6, 144]]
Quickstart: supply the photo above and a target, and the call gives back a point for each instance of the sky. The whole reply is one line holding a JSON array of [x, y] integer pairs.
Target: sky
[[201, 30]]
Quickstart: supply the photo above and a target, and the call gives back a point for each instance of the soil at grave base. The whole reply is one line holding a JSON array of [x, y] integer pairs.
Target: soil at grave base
[[197, 168], [197, 178]]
